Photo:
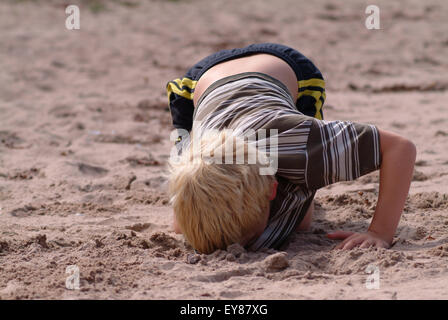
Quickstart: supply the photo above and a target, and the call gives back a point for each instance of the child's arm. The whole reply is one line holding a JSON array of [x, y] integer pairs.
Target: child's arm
[[398, 158]]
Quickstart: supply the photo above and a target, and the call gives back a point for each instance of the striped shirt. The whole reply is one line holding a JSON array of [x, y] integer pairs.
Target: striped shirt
[[311, 153]]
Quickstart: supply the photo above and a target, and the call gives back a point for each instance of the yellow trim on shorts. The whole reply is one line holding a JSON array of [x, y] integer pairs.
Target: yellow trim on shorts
[[313, 82], [318, 107], [316, 94], [181, 83]]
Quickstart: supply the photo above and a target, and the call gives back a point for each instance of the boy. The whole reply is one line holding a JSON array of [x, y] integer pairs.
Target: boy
[[272, 87]]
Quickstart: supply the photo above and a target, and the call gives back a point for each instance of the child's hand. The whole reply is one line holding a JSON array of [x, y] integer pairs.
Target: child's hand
[[353, 239]]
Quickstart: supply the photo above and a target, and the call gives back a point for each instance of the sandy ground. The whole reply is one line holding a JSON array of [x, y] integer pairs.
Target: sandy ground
[[84, 141]]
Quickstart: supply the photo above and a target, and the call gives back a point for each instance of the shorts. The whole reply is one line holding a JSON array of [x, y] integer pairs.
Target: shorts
[[311, 85]]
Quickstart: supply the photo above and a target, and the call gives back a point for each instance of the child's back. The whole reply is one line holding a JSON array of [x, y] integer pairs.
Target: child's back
[[306, 154]]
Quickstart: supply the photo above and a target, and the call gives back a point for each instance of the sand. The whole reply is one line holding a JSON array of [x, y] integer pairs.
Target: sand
[[84, 143]]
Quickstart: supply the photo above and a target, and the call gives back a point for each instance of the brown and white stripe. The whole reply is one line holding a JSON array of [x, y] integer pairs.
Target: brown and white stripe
[[311, 153]]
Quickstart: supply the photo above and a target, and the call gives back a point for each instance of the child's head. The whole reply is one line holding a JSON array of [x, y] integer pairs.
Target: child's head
[[217, 204]]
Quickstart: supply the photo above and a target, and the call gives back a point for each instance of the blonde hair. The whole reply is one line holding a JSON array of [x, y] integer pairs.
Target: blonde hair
[[217, 203]]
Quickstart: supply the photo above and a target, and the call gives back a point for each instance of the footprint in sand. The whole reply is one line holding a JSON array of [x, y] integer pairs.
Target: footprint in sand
[[90, 170], [11, 140], [63, 111]]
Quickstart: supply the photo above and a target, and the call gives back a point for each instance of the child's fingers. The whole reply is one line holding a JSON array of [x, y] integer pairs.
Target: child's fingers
[[381, 244], [339, 235], [367, 244], [345, 241], [351, 244]]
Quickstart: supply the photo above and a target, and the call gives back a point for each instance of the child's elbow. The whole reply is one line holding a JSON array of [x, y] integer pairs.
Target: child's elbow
[[405, 150], [396, 144], [410, 149]]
